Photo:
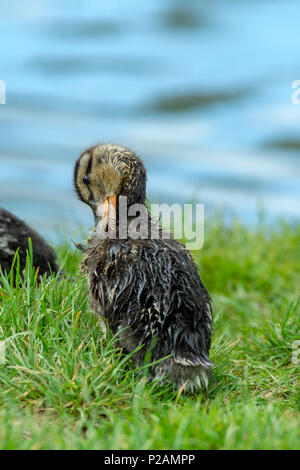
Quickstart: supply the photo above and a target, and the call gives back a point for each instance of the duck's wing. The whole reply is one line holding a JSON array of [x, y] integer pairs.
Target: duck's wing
[[158, 293], [189, 330]]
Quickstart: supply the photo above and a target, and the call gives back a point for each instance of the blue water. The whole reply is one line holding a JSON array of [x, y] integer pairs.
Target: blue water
[[201, 90]]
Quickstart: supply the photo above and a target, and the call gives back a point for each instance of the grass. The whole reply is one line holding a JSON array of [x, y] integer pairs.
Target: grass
[[65, 386]]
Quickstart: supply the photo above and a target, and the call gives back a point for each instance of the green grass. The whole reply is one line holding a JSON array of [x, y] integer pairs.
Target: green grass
[[65, 386]]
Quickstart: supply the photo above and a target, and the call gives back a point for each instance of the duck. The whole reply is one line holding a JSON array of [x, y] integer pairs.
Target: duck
[[14, 234], [148, 291]]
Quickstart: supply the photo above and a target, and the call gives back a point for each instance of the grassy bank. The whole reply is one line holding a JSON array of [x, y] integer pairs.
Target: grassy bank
[[65, 386]]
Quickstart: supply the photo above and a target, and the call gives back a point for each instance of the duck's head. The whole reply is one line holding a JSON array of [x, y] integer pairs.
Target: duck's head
[[105, 172]]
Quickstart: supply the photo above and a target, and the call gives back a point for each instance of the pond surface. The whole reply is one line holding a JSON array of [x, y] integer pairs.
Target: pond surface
[[200, 90]]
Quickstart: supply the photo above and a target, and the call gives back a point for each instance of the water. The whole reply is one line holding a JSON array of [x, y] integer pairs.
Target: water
[[201, 90]]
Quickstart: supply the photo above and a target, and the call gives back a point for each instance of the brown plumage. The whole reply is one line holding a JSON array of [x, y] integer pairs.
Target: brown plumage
[[14, 234], [149, 291]]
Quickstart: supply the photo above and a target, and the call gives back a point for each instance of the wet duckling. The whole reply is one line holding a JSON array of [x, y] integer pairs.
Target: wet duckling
[[14, 234], [148, 290]]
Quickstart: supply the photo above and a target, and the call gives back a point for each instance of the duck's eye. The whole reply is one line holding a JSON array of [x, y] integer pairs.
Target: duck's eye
[[86, 179]]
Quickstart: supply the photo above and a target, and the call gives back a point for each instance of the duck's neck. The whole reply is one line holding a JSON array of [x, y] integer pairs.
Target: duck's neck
[[133, 221]]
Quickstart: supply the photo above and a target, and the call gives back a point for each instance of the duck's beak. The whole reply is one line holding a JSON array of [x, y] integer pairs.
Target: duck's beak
[[105, 215]]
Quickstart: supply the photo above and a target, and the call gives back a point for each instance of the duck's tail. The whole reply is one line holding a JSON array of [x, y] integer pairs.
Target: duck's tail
[[189, 364]]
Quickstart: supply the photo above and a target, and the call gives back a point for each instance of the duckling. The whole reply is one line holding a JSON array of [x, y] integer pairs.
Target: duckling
[[148, 290], [14, 234]]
